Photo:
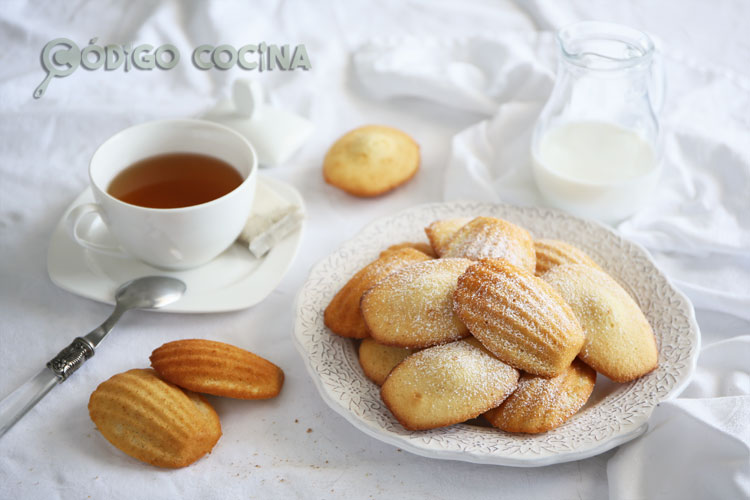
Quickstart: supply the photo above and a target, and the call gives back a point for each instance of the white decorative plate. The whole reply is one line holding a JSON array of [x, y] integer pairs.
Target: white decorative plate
[[234, 280], [616, 413]]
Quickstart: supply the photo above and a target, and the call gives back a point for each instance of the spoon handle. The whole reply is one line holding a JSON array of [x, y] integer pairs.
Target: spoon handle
[[19, 402], [71, 358]]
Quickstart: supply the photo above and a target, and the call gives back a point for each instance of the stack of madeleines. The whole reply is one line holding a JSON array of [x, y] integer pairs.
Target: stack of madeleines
[[486, 321], [156, 416]]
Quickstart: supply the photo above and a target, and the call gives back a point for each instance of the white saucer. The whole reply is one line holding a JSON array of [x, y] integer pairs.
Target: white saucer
[[234, 280]]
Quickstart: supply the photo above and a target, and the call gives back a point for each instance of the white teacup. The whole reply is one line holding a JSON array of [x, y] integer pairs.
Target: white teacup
[[169, 238]]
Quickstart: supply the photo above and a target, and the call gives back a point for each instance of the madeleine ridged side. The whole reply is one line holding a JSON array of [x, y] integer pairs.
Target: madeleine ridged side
[[551, 253], [423, 247], [518, 317], [217, 368], [153, 420], [492, 238]]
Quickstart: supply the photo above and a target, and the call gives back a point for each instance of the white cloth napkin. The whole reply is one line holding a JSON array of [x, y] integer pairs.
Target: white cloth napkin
[[696, 225], [698, 219], [697, 446], [474, 74]]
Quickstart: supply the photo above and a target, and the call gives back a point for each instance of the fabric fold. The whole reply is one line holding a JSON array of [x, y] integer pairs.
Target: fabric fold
[[472, 74], [706, 431], [695, 224]]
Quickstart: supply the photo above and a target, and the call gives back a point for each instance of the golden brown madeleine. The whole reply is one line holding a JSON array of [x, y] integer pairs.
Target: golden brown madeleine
[[447, 384], [541, 404], [153, 420], [371, 160], [377, 360], [342, 315], [441, 231], [518, 317], [217, 368], [551, 253], [417, 245], [619, 341], [492, 238], [413, 307]]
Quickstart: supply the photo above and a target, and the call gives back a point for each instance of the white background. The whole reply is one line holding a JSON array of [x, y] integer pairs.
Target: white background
[[293, 446]]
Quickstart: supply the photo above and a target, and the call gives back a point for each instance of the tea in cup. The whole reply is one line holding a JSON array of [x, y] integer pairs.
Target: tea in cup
[[173, 193]]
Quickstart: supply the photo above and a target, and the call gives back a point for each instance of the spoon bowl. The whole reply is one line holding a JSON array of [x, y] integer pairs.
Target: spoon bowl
[[149, 292]]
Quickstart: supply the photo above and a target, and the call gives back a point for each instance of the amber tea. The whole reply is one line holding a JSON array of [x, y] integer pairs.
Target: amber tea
[[174, 180]]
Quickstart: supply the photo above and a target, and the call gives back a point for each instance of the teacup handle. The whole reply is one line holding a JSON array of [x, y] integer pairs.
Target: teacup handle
[[75, 217]]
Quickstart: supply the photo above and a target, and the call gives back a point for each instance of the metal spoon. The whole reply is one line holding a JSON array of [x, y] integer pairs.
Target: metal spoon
[[150, 292]]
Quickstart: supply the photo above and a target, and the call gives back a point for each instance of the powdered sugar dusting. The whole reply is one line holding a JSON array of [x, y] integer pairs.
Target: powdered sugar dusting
[[615, 417], [492, 238], [413, 307], [540, 404], [518, 317], [619, 340], [447, 384]]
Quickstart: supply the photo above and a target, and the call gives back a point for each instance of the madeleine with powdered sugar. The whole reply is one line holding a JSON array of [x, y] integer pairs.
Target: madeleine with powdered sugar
[[521, 319], [441, 231], [342, 315], [447, 384], [619, 340], [541, 404], [492, 238], [413, 307]]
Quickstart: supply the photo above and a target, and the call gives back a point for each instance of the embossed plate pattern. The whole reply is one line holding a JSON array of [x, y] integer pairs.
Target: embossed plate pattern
[[618, 413]]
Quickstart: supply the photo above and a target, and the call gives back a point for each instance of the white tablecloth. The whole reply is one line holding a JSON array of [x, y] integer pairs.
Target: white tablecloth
[[293, 446]]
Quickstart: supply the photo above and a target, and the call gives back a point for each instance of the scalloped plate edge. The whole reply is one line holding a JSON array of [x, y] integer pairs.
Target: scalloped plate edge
[[383, 435]]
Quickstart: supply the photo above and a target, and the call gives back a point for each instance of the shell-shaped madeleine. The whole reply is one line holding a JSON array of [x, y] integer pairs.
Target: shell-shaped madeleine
[[377, 360], [417, 245], [371, 160], [492, 238], [342, 315], [217, 368], [447, 384], [518, 317], [619, 340], [551, 253], [541, 404], [413, 307], [440, 231], [152, 420]]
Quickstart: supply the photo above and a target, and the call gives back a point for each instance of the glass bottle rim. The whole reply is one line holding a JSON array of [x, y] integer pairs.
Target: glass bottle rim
[[602, 46]]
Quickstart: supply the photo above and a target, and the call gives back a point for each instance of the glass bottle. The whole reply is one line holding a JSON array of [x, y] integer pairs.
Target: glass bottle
[[596, 147]]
